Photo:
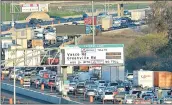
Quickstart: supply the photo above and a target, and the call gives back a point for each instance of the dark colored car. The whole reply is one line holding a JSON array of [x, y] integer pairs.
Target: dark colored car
[[40, 21], [80, 89], [33, 21], [69, 19]]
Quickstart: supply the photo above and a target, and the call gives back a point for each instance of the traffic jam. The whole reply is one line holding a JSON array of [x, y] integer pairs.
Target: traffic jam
[[139, 87]]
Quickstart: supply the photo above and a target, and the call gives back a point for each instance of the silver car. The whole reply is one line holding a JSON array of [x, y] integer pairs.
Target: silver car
[[167, 100]]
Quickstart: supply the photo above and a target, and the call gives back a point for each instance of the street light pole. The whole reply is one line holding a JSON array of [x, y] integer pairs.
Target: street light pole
[[93, 22], [14, 85]]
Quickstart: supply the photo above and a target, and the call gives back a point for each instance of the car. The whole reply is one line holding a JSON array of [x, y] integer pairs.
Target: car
[[72, 87], [90, 92], [80, 89], [19, 77], [88, 83], [154, 101], [33, 21], [120, 97], [129, 99], [69, 19], [113, 84], [5, 71], [100, 82], [167, 100], [93, 87], [107, 96], [81, 83], [101, 89], [40, 21], [12, 76]]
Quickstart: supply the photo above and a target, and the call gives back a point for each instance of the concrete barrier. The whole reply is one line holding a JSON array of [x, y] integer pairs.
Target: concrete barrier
[[37, 95]]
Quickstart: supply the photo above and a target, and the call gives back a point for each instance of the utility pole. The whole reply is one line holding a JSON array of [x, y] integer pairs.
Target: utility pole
[[12, 11], [12, 24], [93, 21], [108, 7]]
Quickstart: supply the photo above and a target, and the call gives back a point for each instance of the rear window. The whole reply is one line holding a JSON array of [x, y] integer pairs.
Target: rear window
[[51, 80], [113, 84], [108, 93], [135, 92], [80, 87], [101, 81]]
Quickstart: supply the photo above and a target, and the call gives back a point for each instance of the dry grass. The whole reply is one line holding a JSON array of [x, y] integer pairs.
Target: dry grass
[[126, 37]]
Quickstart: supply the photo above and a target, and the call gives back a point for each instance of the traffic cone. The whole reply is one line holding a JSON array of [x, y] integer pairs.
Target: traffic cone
[[91, 99], [2, 77], [42, 87], [11, 101], [21, 82]]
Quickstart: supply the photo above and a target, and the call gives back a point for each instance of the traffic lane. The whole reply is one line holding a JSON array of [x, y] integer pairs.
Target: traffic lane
[[19, 98], [78, 98], [32, 87]]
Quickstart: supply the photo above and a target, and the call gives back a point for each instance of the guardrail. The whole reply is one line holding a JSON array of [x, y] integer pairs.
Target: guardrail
[[37, 95]]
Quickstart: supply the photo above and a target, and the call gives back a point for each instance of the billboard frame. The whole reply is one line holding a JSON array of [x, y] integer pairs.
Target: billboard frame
[[95, 46]]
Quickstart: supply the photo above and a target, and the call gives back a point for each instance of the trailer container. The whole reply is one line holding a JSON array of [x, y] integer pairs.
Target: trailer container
[[163, 79], [143, 78]]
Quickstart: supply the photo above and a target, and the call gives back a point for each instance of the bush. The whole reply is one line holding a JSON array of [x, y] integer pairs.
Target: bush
[[144, 53]]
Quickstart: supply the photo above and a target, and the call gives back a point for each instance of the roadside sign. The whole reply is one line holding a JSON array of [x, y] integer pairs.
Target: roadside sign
[[101, 54], [34, 7]]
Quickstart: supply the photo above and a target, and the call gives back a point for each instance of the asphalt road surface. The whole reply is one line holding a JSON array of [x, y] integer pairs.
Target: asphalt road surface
[[77, 98], [19, 99]]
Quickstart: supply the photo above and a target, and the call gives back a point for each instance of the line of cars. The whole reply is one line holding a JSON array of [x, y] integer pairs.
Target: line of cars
[[101, 90], [118, 92]]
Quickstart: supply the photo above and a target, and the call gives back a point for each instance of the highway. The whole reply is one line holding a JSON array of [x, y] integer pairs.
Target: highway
[[19, 99], [77, 98]]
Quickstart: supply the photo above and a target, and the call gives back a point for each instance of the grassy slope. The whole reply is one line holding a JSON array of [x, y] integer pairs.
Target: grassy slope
[[55, 12]]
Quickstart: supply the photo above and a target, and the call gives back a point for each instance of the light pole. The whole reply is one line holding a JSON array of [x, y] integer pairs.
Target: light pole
[[14, 85], [12, 24], [93, 21]]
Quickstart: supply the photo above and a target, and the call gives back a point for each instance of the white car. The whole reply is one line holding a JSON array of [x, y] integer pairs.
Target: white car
[[107, 96], [11, 76], [20, 76], [129, 99], [72, 87], [167, 100], [5, 72]]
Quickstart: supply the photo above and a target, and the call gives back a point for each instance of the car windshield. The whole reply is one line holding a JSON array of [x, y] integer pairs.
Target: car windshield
[[80, 86], [113, 84], [108, 93]]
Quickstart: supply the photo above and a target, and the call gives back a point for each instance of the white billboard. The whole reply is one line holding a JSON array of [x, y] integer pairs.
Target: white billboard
[[34, 7], [43, 7], [103, 54]]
